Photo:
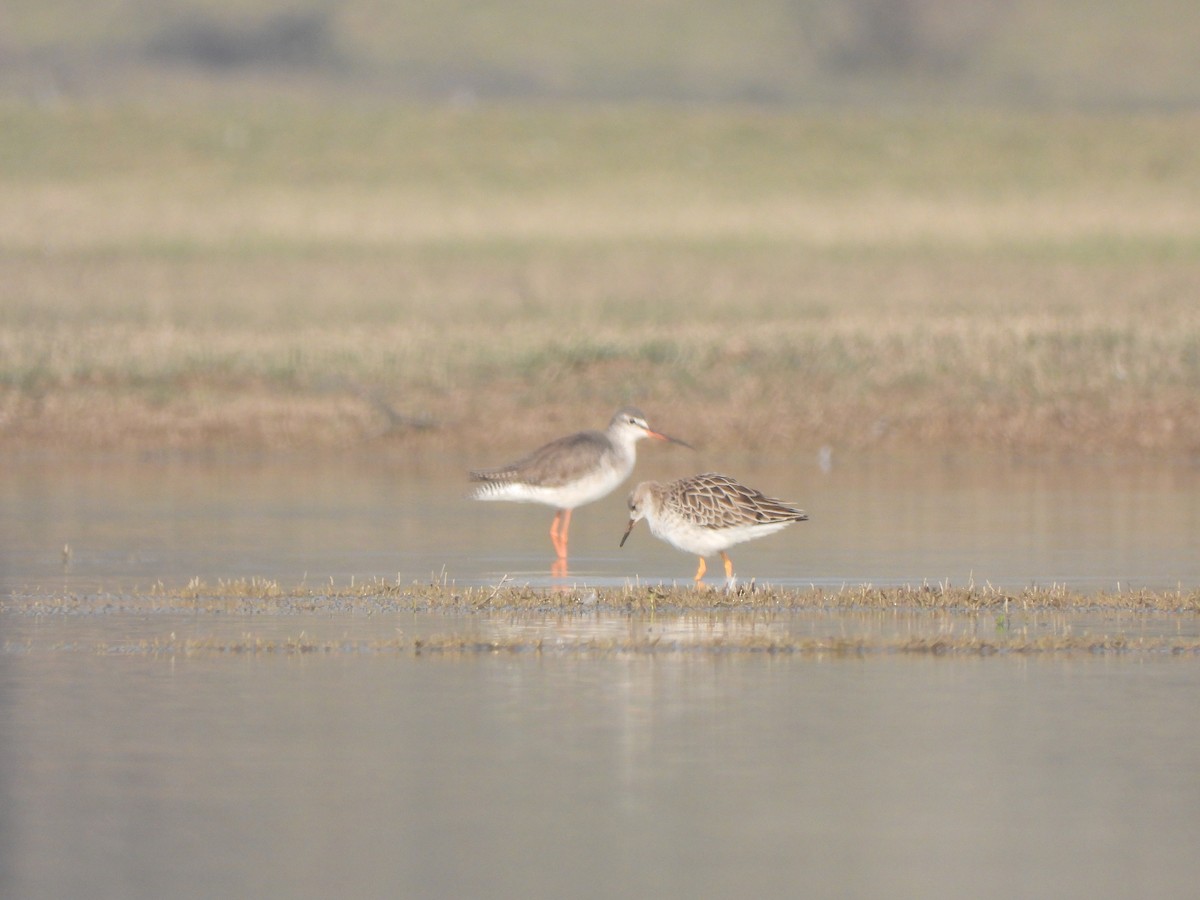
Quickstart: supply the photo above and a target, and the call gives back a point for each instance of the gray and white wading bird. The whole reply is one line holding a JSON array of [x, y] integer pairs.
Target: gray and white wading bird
[[571, 471], [706, 514]]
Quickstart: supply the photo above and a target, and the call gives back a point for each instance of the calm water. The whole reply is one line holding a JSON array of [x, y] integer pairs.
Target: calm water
[[1089, 525], [125, 774], [360, 772]]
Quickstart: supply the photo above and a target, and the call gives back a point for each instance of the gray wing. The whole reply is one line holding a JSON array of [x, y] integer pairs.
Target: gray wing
[[552, 465]]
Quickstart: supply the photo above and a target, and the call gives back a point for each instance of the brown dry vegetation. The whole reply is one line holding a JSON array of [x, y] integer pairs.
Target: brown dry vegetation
[[934, 620], [314, 276], [266, 596]]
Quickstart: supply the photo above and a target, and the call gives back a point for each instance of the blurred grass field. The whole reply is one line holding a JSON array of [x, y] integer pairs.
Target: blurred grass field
[[304, 273], [1053, 53]]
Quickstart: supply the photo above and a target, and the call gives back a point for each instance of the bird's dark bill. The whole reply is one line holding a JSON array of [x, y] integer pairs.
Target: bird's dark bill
[[625, 537]]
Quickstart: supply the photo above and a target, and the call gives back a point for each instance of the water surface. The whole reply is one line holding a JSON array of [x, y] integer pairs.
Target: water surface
[[151, 753], [1089, 525], [132, 774]]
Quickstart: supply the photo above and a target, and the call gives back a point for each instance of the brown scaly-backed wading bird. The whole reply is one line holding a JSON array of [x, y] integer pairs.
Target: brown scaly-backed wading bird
[[707, 514]]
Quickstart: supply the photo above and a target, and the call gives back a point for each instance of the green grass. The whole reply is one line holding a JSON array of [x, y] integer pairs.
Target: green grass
[[1049, 53], [728, 154], [1013, 280]]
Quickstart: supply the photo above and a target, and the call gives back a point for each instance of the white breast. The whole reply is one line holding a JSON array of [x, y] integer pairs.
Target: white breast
[[692, 538]]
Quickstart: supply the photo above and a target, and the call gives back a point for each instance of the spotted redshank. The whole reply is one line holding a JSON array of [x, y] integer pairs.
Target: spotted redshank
[[708, 513], [571, 471]]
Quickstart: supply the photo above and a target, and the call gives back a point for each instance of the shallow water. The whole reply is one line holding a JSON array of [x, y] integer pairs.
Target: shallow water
[[1089, 525], [149, 754], [126, 773]]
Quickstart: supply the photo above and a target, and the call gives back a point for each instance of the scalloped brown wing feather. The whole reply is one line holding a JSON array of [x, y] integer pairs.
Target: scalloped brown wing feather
[[713, 500]]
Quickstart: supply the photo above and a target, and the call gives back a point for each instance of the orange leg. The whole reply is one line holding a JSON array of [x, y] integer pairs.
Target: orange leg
[[554, 533], [728, 565], [700, 571], [558, 532]]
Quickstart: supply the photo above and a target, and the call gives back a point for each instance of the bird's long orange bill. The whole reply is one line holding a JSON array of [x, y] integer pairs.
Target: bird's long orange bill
[[625, 537], [666, 437]]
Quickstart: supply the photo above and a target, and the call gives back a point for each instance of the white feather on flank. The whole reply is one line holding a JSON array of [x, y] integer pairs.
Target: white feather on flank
[[704, 541], [598, 483]]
